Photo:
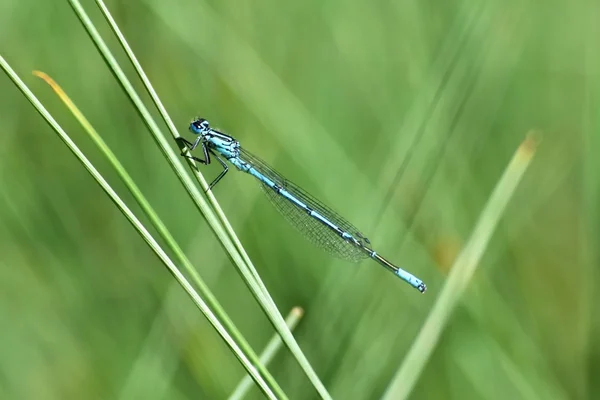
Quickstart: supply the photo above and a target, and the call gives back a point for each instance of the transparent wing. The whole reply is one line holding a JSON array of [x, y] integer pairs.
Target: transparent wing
[[314, 230]]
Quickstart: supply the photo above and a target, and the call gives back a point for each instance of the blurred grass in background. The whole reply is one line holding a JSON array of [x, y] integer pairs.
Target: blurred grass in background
[[402, 115]]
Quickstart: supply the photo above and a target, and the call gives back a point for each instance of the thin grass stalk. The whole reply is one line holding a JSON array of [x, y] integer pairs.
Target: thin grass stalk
[[204, 308], [258, 291], [169, 122], [268, 353], [461, 273]]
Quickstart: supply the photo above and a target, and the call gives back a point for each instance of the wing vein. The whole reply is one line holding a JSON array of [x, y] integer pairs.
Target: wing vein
[[314, 230]]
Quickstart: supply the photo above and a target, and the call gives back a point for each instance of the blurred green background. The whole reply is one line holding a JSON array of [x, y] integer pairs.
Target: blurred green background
[[401, 114]]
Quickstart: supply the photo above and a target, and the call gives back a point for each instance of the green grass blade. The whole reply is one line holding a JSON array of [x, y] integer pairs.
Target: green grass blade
[[205, 309], [169, 122], [161, 228], [249, 275], [463, 269], [268, 353]]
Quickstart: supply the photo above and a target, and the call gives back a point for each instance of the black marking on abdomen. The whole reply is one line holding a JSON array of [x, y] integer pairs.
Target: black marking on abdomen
[[329, 225]]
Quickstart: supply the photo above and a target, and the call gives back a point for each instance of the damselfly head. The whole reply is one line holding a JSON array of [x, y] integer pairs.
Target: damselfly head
[[199, 126]]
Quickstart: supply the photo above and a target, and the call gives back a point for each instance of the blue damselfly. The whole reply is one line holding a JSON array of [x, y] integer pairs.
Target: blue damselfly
[[319, 223]]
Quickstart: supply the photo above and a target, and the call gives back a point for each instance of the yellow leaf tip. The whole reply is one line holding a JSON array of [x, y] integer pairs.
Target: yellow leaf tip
[[44, 76]]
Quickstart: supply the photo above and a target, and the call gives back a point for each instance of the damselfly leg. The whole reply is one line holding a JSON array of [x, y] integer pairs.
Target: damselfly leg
[[222, 174], [207, 152], [191, 147]]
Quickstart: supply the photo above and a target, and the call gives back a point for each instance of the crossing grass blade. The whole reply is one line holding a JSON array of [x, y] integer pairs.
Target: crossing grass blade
[[268, 353]]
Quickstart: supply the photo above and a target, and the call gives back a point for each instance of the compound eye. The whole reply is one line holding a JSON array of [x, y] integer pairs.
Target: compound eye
[[199, 126]]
